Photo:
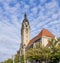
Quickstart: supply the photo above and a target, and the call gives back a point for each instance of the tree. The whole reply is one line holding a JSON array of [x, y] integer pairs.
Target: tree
[[39, 53], [55, 50], [50, 53], [16, 59], [8, 61], [22, 59]]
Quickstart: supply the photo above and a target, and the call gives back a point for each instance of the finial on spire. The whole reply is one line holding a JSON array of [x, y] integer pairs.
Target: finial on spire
[[25, 15]]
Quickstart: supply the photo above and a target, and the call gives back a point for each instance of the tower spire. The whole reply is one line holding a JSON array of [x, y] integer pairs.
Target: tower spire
[[25, 16]]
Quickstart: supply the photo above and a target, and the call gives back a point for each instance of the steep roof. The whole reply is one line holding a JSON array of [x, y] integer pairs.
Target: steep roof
[[44, 32]]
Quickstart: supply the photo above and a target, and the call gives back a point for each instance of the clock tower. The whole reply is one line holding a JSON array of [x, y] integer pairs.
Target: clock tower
[[25, 33]]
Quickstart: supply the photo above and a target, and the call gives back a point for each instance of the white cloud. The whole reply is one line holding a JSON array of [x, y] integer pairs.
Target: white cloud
[[34, 10], [9, 38], [48, 16]]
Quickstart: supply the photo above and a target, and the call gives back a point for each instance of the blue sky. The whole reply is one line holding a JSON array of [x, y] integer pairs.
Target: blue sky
[[40, 13]]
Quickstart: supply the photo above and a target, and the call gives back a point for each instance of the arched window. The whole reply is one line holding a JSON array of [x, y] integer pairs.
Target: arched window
[[26, 25]]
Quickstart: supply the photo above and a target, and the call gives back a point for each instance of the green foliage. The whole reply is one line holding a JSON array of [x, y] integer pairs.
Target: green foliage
[[22, 59], [16, 60], [55, 51], [9, 61], [42, 53], [49, 53]]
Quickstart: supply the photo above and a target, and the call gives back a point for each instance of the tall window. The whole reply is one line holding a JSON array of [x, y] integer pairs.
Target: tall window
[[26, 30]]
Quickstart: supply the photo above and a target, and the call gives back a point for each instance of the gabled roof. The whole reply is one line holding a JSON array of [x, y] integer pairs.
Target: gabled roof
[[44, 32]]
